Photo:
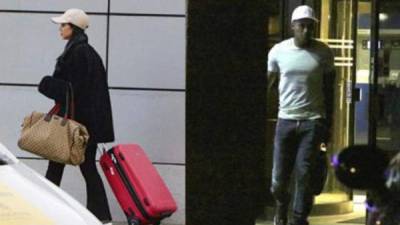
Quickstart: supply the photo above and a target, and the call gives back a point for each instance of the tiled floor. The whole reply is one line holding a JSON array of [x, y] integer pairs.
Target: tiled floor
[[349, 219], [329, 220], [355, 218]]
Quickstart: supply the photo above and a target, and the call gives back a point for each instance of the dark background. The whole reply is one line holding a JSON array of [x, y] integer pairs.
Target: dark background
[[226, 111]]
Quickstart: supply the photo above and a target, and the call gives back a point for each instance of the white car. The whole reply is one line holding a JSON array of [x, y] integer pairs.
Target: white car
[[27, 198]]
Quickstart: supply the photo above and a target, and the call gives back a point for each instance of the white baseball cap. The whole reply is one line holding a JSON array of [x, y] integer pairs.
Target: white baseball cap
[[76, 17], [303, 12]]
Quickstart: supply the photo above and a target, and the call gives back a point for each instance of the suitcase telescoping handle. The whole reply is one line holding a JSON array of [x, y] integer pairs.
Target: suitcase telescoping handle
[[102, 148]]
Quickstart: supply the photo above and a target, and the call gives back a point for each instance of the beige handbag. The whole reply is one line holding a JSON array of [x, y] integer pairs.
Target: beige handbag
[[53, 137]]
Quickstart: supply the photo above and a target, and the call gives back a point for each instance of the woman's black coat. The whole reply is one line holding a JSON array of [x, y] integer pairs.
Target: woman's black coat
[[82, 66]]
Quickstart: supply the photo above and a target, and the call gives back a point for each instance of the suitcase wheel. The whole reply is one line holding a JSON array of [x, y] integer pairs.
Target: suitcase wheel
[[133, 221]]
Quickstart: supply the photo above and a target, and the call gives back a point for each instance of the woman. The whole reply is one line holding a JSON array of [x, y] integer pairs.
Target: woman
[[81, 66]]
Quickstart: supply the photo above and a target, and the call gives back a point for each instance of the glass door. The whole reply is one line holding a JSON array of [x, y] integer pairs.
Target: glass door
[[386, 76], [377, 120], [378, 75], [337, 24]]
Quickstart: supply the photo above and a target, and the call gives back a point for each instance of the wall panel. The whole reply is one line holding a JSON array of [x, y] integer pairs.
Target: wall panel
[[155, 120], [139, 56], [149, 6], [32, 43], [51, 5]]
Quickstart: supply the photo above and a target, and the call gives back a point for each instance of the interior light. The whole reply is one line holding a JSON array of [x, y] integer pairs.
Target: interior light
[[383, 16]]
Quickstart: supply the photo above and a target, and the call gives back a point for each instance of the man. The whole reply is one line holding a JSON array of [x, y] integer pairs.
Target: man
[[305, 71]]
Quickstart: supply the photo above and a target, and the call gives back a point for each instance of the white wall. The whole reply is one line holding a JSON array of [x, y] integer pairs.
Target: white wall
[[146, 57]]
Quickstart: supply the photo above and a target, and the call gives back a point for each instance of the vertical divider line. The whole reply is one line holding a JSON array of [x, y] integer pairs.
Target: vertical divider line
[[108, 34], [354, 36], [374, 67]]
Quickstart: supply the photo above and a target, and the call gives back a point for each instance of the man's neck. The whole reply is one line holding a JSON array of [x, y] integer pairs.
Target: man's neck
[[302, 45]]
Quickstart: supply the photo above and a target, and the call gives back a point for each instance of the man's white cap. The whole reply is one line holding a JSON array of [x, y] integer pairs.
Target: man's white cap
[[303, 12], [75, 16]]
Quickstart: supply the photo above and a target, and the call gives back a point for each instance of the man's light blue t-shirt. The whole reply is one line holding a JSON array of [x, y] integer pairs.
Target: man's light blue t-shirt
[[301, 72]]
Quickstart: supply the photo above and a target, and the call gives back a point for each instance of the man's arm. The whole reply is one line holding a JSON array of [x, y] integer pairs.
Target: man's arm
[[272, 80], [329, 83], [272, 95]]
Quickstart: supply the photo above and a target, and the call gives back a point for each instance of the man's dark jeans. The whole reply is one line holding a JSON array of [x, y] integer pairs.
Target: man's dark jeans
[[296, 146]]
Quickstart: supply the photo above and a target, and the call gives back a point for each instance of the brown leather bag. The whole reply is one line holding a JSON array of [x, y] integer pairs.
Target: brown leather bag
[[54, 137]]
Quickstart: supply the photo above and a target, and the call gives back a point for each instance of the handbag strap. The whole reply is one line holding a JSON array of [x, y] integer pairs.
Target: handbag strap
[[102, 148], [55, 109], [69, 105], [67, 102], [70, 101]]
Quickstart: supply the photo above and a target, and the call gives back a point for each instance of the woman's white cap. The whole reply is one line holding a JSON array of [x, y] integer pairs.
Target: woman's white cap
[[303, 12], [76, 17]]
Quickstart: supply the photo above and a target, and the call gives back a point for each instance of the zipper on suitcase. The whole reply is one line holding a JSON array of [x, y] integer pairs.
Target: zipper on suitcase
[[131, 191]]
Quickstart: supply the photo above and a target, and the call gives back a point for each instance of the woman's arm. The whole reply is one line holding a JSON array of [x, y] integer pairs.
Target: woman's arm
[[53, 88], [75, 72]]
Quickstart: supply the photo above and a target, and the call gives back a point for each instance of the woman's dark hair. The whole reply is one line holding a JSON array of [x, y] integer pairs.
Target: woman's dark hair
[[76, 30], [78, 34]]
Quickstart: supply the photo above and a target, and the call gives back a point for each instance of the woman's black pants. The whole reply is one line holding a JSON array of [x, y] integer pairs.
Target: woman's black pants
[[96, 195]]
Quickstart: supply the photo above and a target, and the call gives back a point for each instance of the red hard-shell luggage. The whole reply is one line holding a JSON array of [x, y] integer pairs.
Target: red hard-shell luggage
[[140, 190]]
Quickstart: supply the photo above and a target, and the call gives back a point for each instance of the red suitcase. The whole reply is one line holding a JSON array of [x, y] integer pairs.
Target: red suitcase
[[140, 190]]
